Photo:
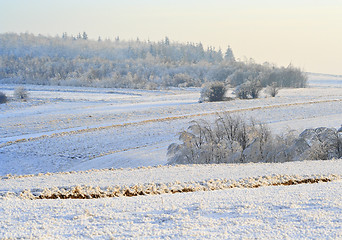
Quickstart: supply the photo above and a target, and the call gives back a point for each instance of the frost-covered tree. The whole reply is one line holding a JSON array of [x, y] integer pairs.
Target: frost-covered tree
[[167, 41], [26, 58], [248, 89], [84, 36], [213, 92], [21, 93], [230, 139], [229, 56], [272, 89]]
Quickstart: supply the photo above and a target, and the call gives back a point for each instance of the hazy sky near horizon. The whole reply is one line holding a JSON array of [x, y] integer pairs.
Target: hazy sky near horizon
[[306, 33]]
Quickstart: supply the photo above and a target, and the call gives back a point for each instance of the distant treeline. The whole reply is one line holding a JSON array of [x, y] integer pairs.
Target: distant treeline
[[78, 61]]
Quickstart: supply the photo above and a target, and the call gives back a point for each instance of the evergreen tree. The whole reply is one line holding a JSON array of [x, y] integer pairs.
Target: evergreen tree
[[167, 41], [84, 36], [229, 56]]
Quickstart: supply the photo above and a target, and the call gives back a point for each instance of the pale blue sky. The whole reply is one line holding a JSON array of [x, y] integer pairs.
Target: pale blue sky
[[307, 33]]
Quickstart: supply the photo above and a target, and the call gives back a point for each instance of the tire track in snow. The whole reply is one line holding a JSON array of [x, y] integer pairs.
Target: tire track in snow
[[163, 119]]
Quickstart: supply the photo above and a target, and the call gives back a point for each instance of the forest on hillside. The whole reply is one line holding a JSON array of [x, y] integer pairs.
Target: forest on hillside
[[78, 61]]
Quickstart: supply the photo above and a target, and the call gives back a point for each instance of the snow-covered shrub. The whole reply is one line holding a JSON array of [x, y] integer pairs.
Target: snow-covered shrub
[[231, 139], [248, 89], [272, 89], [213, 92], [21, 93], [183, 80], [3, 98], [320, 143]]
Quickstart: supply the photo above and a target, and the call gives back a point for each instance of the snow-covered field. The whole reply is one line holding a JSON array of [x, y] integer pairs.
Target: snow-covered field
[[63, 129]]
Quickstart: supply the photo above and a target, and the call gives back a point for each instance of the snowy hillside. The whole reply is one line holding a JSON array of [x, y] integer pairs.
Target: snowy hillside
[[90, 163], [67, 128]]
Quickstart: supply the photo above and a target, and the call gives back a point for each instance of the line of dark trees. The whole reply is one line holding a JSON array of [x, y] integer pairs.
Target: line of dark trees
[[78, 61]]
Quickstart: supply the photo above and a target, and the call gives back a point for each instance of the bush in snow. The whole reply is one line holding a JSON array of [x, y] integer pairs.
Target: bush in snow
[[231, 139], [213, 92], [320, 143], [248, 89], [21, 93], [3, 98], [272, 89]]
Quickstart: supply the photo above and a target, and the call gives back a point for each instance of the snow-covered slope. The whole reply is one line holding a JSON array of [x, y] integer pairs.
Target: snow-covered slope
[[67, 128], [245, 210], [92, 132]]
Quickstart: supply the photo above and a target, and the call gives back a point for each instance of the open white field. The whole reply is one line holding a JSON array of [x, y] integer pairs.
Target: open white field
[[298, 200], [67, 128], [62, 129]]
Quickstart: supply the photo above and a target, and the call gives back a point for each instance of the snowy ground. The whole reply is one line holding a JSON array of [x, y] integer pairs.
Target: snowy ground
[[63, 129], [303, 211], [66, 128]]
